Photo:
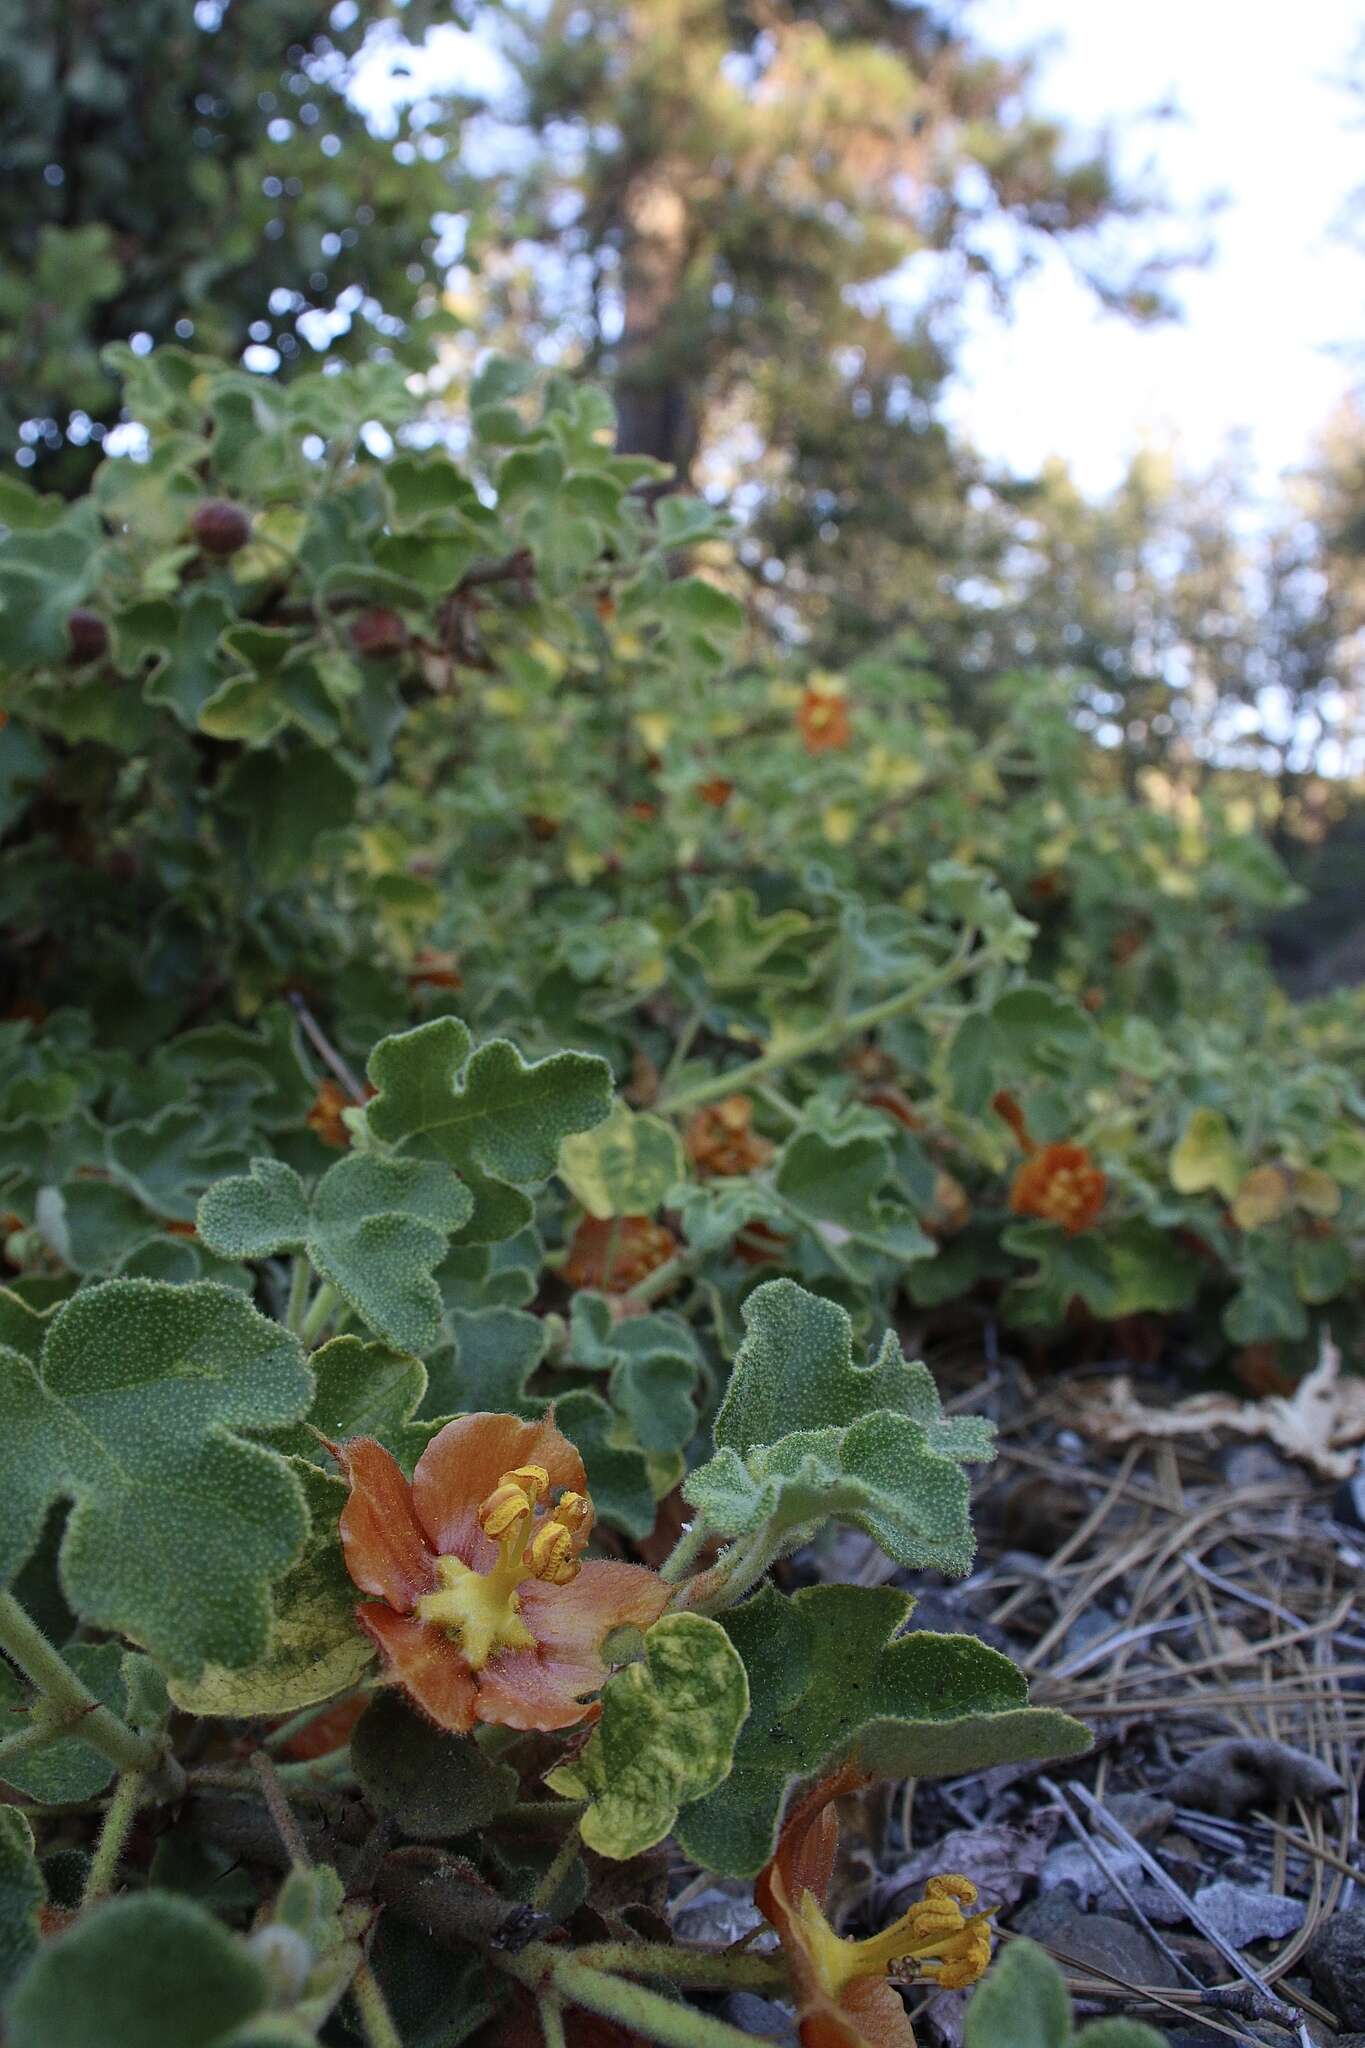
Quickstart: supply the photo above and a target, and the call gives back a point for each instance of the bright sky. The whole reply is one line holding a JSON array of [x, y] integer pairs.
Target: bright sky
[[1263, 122], [1266, 123]]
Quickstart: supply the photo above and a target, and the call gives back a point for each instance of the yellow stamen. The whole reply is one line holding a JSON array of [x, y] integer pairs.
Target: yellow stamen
[[934, 1933], [483, 1609]]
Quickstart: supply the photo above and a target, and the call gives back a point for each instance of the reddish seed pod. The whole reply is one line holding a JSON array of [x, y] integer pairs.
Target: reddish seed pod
[[219, 527], [87, 636], [378, 632]]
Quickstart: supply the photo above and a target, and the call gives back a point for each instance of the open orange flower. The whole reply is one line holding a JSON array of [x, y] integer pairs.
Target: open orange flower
[[484, 1608], [823, 721], [1058, 1183], [844, 1998], [721, 1140], [1061, 1184]]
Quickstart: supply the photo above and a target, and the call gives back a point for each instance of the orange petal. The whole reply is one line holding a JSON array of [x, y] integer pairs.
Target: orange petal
[[524, 1689], [381, 1538], [426, 1663], [464, 1462], [868, 2015], [605, 1595]]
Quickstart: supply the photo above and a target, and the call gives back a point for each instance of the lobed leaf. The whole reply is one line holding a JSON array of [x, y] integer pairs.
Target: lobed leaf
[[666, 1737], [831, 1682], [497, 1121], [133, 1411], [376, 1228]]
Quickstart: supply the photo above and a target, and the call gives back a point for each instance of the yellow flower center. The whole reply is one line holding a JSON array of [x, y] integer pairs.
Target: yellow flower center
[[483, 1609], [949, 1948]]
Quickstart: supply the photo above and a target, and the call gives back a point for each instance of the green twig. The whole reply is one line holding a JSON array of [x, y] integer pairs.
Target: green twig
[[319, 1314], [550, 1973], [735, 1080], [300, 1279], [564, 1858], [551, 2015], [373, 2010], [276, 1798], [684, 1966], [119, 1816], [685, 1551], [48, 1670]]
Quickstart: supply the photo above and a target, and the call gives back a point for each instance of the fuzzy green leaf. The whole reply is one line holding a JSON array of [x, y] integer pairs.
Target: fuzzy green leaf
[[497, 1121], [829, 1684], [179, 1525], [22, 1895], [795, 1371], [653, 1367], [149, 1969], [666, 1737], [878, 1474], [435, 1785], [316, 1647], [1023, 2004], [837, 1189], [376, 1228]]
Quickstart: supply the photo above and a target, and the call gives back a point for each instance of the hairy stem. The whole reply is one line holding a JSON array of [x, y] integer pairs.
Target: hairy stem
[[373, 2010], [46, 1668], [300, 1277], [550, 1973], [559, 1868], [825, 1037], [118, 1820], [731, 1972], [551, 2016], [319, 1314], [685, 1551]]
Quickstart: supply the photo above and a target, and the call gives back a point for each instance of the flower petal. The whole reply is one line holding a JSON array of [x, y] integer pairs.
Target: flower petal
[[426, 1663], [381, 1538], [576, 1618], [526, 1689], [868, 2015], [464, 1462]]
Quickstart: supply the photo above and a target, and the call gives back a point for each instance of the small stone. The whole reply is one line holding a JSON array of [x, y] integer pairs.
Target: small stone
[[761, 2017], [1243, 1913], [1145, 1816], [1097, 1940], [1336, 1964]]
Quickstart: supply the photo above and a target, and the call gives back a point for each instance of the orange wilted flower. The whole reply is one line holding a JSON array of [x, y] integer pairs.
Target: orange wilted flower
[[1060, 1184], [721, 1139], [1057, 1183], [617, 1252], [823, 721], [844, 1998], [324, 1118], [431, 969], [716, 791], [484, 1608]]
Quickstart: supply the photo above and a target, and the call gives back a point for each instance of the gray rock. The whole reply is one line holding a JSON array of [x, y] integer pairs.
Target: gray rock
[[1096, 1939], [761, 2017], [723, 1913], [1243, 1913], [1335, 1958], [1145, 1816]]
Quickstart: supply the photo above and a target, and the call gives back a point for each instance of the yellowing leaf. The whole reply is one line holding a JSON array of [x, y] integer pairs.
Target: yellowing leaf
[[654, 728], [1316, 1193], [667, 1736], [839, 823], [623, 1167], [1263, 1197], [1206, 1157]]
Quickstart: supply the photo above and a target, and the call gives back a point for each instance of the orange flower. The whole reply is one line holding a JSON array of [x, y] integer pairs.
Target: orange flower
[[823, 722], [1061, 1184], [327, 1731], [484, 1609], [843, 1996], [716, 791], [431, 969], [615, 1253], [721, 1140], [324, 1118]]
